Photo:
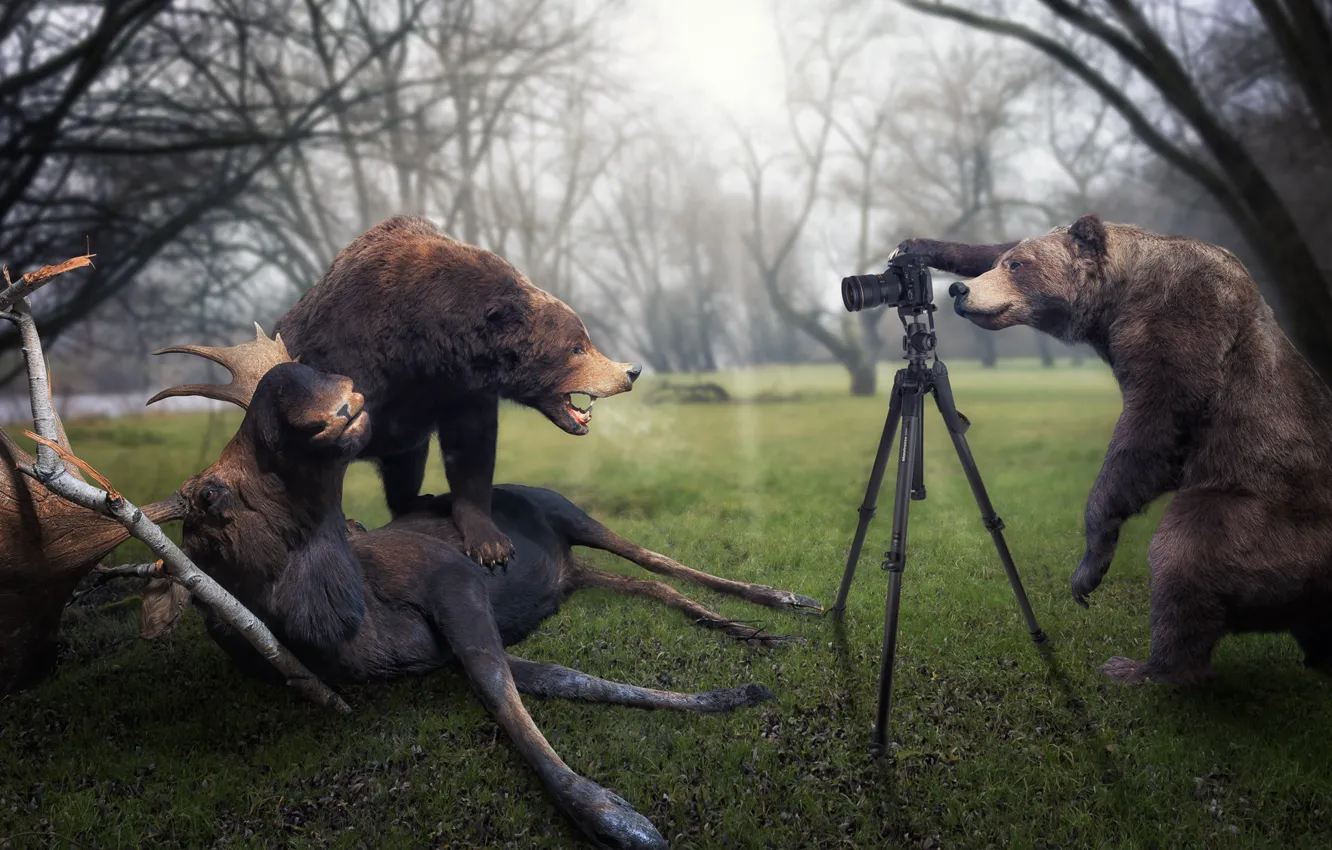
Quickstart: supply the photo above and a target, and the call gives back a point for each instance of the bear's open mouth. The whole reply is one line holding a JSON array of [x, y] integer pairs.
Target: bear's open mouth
[[571, 411], [580, 414]]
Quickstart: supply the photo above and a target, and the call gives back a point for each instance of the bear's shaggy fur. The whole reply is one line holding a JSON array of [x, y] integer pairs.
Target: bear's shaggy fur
[[434, 332], [1218, 407]]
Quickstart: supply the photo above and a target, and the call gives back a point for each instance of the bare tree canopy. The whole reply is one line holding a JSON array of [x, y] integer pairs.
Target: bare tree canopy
[[217, 156], [1217, 75]]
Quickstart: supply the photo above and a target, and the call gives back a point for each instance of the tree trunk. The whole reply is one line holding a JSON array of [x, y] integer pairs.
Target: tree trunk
[[864, 379], [989, 354], [1043, 346]]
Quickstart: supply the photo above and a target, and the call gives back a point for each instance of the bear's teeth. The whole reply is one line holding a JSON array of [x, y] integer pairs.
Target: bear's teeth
[[573, 404]]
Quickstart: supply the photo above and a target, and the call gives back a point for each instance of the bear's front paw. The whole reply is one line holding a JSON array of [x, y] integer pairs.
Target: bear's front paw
[[1087, 577], [911, 246], [487, 545]]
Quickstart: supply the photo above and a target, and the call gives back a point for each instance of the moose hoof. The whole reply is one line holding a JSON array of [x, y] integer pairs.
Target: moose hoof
[[728, 699], [805, 604], [609, 821]]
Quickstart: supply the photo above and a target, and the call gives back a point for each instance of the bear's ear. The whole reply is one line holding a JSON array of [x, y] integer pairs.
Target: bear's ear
[[1088, 237], [505, 317]]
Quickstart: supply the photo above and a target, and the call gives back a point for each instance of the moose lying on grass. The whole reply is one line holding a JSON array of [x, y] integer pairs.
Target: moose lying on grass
[[266, 522]]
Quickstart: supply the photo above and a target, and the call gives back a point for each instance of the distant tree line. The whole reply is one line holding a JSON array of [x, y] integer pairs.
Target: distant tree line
[[216, 155]]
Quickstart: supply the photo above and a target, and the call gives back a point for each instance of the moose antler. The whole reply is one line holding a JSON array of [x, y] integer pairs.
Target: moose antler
[[246, 362]]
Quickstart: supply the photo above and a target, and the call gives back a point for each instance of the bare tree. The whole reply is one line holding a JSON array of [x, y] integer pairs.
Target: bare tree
[[956, 133], [1166, 45], [137, 135], [455, 108], [816, 74], [656, 249], [542, 176]]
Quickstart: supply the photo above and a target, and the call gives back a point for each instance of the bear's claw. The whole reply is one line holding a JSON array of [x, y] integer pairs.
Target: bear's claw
[[1123, 670], [1087, 577]]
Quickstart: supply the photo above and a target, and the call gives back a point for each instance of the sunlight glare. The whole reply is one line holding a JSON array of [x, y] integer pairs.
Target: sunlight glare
[[723, 52]]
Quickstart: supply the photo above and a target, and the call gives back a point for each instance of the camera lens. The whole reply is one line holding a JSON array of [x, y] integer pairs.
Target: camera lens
[[861, 291]]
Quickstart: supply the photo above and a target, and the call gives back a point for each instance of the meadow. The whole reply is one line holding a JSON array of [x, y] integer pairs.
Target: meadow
[[995, 744]]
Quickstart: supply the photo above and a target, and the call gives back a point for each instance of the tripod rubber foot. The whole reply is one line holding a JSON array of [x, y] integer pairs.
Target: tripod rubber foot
[[877, 750], [1038, 637]]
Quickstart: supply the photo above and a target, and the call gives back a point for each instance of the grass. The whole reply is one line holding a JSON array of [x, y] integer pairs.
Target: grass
[[997, 745]]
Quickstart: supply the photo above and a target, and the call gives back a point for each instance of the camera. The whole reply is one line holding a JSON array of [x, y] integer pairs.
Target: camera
[[904, 284]]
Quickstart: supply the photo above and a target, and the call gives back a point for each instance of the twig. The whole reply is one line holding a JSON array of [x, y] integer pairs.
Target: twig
[[102, 575], [52, 473], [69, 457], [153, 570], [32, 281]]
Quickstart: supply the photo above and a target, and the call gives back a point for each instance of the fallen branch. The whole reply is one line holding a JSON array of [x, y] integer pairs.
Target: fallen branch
[[50, 470]]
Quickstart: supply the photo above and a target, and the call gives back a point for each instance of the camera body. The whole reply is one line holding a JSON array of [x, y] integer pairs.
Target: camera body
[[905, 284]]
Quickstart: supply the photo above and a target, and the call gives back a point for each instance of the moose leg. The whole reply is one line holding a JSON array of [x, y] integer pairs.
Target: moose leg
[[586, 576], [583, 530], [462, 612], [554, 681]]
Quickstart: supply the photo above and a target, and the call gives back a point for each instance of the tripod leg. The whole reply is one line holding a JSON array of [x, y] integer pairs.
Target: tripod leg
[[943, 397], [868, 507], [895, 560], [918, 476]]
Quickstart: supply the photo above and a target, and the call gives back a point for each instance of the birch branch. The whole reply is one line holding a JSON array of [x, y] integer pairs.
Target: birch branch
[[51, 472], [153, 570], [32, 281], [103, 575]]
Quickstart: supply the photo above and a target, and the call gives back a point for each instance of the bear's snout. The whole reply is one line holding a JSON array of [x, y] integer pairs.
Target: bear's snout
[[633, 372], [959, 291]]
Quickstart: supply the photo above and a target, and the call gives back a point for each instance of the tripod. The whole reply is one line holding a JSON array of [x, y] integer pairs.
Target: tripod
[[907, 404]]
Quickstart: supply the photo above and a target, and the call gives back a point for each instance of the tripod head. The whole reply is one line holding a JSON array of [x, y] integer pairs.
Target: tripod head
[[918, 337]]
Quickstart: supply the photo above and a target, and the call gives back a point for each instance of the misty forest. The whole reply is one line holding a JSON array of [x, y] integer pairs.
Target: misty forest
[[694, 179]]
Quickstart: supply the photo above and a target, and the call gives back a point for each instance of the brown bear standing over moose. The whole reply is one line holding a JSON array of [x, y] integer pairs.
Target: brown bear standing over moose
[[412, 333]]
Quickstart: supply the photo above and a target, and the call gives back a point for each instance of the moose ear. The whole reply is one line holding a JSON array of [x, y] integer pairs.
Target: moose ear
[[505, 316], [1089, 237]]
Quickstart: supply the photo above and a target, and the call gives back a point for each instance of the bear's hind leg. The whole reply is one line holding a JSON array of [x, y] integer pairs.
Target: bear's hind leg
[[402, 475], [1184, 633], [1187, 619]]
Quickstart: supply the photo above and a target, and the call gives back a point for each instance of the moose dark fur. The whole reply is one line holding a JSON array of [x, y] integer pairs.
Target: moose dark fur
[[1219, 407], [434, 332], [266, 522]]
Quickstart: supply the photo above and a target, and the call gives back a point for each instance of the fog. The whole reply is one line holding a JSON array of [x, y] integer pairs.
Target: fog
[[694, 178]]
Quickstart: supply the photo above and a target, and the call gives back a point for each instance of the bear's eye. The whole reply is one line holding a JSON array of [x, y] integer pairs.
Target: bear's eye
[[578, 349], [1014, 265]]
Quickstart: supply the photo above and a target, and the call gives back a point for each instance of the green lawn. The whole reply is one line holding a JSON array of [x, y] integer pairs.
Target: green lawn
[[997, 745]]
